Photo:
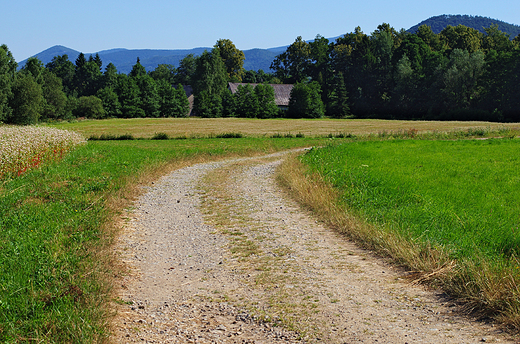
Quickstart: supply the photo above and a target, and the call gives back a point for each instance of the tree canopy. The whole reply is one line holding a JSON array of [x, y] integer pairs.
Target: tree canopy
[[232, 57]]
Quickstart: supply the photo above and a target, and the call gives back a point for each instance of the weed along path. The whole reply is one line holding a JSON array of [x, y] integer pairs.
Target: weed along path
[[217, 253]]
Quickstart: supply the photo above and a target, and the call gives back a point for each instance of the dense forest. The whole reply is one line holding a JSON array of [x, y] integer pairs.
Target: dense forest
[[458, 73]]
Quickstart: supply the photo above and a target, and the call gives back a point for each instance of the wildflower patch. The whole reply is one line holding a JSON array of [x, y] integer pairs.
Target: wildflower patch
[[25, 148]]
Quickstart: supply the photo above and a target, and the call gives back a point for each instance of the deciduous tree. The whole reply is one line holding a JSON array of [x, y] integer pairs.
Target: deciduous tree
[[210, 83], [7, 77], [26, 101], [432, 39], [110, 102], [461, 37], [496, 40], [164, 72], [186, 70], [461, 77], [246, 102], [208, 105], [305, 101], [55, 100], [291, 65], [64, 69], [267, 107], [233, 59], [89, 107]]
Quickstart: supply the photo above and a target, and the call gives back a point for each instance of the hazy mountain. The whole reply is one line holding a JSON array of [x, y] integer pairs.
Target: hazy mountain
[[438, 23], [124, 59], [256, 59]]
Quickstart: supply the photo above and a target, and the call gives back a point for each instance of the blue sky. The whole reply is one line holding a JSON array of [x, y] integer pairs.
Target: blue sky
[[30, 26]]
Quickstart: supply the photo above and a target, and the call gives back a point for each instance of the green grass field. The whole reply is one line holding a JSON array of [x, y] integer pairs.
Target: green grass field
[[458, 197]]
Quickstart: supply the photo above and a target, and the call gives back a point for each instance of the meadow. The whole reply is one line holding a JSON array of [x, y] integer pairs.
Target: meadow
[[203, 127], [447, 210], [59, 216]]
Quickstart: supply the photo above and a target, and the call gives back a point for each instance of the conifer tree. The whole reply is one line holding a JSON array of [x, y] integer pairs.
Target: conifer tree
[[339, 107]]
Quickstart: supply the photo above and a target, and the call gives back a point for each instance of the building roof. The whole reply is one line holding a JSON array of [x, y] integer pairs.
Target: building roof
[[282, 92]]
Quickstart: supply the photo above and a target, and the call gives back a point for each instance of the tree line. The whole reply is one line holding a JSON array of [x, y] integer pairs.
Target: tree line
[[65, 90], [458, 74]]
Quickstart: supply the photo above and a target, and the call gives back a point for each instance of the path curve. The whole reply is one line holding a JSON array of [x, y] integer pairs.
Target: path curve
[[217, 253]]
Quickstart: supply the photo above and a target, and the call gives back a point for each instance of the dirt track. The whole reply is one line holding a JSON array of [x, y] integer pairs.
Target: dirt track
[[219, 254]]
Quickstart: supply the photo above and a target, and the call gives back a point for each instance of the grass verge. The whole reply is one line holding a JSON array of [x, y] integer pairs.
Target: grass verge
[[56, 261], [444, 209]]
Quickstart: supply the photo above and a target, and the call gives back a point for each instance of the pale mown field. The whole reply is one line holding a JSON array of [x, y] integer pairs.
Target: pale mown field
[[189, 127]]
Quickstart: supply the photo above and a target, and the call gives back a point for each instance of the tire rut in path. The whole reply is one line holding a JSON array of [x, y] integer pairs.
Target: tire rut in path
[[252, 267]]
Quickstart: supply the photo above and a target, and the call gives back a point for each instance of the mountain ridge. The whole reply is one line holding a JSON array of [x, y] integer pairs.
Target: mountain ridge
[[256, 58], [124, 59], [438, 23]]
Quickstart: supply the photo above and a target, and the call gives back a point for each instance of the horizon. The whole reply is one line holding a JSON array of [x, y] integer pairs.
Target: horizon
[[162, 25]]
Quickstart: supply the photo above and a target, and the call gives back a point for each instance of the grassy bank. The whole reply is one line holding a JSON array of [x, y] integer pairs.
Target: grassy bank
[[55, 237], [446, 209]]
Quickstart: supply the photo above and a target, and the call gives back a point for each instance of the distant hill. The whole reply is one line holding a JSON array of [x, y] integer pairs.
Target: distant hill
[[124, 59], [438, 23], [256, 59]]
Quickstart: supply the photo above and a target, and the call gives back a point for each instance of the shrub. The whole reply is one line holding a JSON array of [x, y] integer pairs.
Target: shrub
[[160, 136], [229, 136], [111, 137], [89, 107]]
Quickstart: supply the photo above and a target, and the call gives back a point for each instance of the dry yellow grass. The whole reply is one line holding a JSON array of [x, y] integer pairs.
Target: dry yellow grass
[[175, 127], [319, 196]]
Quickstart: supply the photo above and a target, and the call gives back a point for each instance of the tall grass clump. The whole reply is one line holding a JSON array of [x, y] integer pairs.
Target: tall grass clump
[[24, 148], [110, 137], [229, 136], [446, 209], [287, 136], [160, 136]]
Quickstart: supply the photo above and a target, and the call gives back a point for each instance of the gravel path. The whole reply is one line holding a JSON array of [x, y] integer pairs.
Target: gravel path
[[217, 253]]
